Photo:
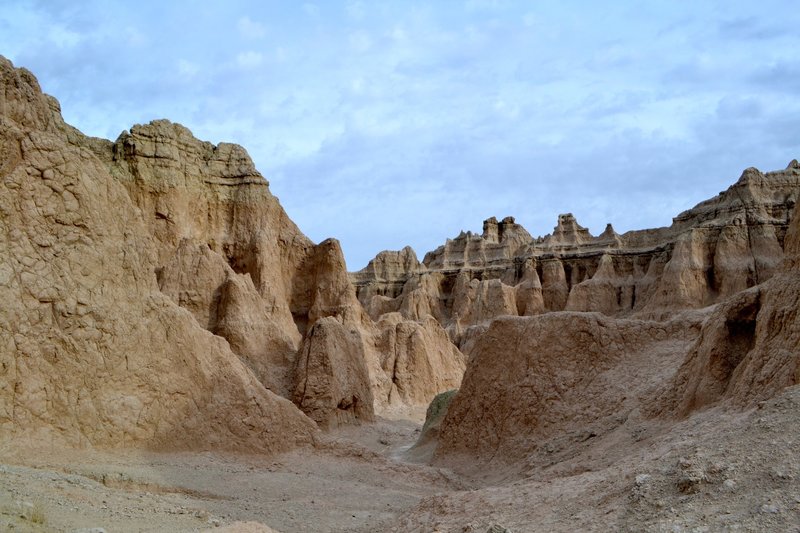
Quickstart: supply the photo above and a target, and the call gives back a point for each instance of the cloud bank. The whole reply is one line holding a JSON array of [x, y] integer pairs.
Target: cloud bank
[[393, 123]]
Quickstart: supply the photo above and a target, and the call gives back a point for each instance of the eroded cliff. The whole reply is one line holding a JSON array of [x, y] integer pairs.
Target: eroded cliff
[[712, 251], [91, 351], [158, 293]]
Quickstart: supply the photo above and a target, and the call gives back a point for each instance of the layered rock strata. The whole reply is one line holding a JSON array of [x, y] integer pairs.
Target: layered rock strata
[[721, 246], [748, 348], [583, 375], [229, 254], [531, 379]]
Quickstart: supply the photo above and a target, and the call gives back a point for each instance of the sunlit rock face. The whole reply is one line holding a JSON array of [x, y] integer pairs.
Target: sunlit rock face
[[92, 352], [721, 246], [159, 295]]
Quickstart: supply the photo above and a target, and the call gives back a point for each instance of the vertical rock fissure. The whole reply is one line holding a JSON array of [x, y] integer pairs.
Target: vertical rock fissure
[[747, 220]]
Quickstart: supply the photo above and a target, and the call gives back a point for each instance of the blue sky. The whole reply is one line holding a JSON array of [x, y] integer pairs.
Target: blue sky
[[392, 123]]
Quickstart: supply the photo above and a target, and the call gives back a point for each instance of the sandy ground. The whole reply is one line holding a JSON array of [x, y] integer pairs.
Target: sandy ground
[[717, 471], [353, 481], [720, 470]]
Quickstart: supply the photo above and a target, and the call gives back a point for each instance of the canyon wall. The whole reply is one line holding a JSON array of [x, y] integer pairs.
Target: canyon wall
[[716, 249], [581, 376], [157, 294], [91, 351]]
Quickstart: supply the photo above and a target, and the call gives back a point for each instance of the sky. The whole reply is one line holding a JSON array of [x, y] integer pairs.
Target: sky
[[386, 124]]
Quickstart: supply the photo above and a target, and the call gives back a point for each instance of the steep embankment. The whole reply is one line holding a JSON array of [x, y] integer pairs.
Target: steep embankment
[[637, 424]]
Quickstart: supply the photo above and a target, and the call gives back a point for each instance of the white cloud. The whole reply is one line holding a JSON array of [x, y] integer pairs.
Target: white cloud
[[187, 68], [250, 29], [398, 33], [529, 20], [357, 85], [64, 37], [355, 9], [507, 109], [456, 114], [485, 5], [249, 59], [360, 41], [135, 37]]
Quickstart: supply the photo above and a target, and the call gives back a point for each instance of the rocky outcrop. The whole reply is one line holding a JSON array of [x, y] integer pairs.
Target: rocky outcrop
[[229, 254], [228, 304], [534, 378], [91, 351], [413, 360], [159, 218], [748, 348], [246, 323], [192, 191], [534, 382], [716, 249], [423, 449], [323, 289], [332, 382]]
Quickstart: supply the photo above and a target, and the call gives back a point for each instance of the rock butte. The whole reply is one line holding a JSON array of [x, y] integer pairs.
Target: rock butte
[[157, 296]]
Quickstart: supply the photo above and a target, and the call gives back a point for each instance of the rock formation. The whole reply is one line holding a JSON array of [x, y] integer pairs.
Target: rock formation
[[583, 375], [332, 383], [91, 352], [748, 348], [156, 295], [534, 378], [160, 294], [415, 358], [716, 249], [229, 254]]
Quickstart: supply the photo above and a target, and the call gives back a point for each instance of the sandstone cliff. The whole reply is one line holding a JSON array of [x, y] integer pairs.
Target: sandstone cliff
[[228, 253], [579, 376], [748, 348], [557, 375], [91, 352], [720, 247], [155, 214]]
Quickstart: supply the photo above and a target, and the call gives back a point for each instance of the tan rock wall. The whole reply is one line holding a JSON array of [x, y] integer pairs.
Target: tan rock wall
[[91, 352], [712, 251]]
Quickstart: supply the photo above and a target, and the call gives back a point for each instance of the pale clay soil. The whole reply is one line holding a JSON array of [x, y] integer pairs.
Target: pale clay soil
[[717, 471]]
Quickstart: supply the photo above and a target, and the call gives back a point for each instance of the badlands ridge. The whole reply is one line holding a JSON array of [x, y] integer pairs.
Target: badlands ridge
[[156, 297]]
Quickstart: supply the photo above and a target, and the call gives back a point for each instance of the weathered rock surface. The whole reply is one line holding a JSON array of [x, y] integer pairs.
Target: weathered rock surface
[[533, 378], [574, 375], [100, 231], [429, 435], [748, 348], [91, 352], [716, 249], [414, 359], [194, 195], [332, 382], [230, 255]]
